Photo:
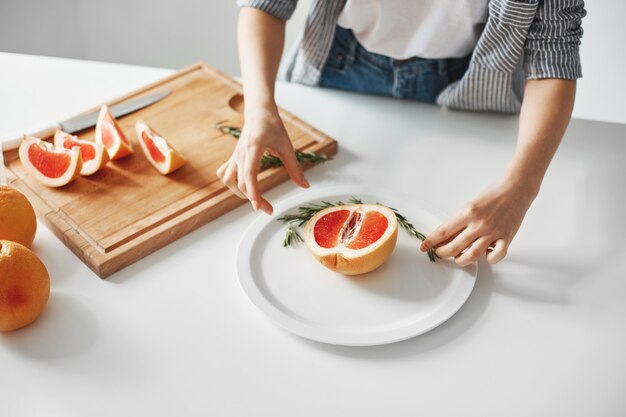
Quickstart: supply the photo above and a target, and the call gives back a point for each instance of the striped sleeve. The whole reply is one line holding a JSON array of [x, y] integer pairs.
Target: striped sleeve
[[551, 49], [282, 9]]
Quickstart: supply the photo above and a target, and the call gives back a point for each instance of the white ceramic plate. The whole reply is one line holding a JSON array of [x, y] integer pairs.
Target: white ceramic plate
[[405, 297]]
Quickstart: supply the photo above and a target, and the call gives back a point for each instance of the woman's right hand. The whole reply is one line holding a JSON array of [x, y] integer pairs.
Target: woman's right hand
[[261, 39], [262, 132]]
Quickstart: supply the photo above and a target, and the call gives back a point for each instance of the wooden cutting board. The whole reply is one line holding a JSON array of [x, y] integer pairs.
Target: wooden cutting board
[[127, 211]]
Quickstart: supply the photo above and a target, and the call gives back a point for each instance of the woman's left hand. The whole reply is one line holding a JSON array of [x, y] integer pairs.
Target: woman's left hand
[[486, 225]]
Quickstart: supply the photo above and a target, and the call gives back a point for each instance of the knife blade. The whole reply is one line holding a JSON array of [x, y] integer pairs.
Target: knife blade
[[78, 123], [83, 121]]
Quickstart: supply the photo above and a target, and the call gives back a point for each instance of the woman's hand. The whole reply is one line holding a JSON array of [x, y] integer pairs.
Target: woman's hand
[[261, 37], [262, 132], [486, 225]]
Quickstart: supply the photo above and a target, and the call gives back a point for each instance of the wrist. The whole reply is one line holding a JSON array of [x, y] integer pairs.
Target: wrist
[[524, 187], [259, 110], [526, 174], [259, 101]]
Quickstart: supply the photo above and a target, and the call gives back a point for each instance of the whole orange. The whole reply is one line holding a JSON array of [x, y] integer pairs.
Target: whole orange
[[17, 217], [24, 286]]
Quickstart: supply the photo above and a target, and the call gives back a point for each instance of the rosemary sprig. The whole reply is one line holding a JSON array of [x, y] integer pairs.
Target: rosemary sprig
[[269, 161], [292, 237], [229, 130], [305, 213], [412, 231]]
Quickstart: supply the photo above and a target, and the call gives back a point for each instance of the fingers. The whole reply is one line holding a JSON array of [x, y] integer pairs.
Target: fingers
[[443, 233], [221, 170], [495, 216], [241, 179], [228, 174], [498, 252], [457, 244], [259, 134], [252, 184], [292, 166], [473, 253]]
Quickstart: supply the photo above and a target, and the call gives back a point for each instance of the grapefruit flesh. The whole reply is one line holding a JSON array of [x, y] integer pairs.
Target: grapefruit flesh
[[352, 239], [329, 227], [53, 166], [158, 151], [154, 151], [87, 152], [373, 227], [50, 164], [94, 155], [109, 133]]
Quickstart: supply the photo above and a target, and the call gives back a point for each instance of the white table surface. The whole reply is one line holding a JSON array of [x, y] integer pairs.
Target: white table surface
[[543, 333]]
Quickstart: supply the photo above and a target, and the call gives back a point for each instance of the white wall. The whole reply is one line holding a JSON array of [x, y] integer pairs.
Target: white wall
[[161, 33], [172, 34], [602, 90]]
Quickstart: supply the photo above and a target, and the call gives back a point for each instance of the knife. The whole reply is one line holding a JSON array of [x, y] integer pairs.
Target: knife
[[83, 121]]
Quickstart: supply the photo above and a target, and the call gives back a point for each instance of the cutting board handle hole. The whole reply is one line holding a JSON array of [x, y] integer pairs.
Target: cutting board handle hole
[[236, 103]]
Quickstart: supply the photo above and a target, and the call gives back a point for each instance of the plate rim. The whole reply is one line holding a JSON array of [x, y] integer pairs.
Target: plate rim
[[283, 320]]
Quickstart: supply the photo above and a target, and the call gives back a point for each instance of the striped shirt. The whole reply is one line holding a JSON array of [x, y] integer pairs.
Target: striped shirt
[[522, 40]]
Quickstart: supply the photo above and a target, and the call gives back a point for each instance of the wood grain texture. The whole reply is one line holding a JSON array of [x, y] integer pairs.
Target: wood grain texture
[[128, 210]]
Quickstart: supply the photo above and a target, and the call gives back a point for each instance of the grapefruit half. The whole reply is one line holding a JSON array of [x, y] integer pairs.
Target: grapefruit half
[[160, 154], [94, 155], [54, 167], [352, 239], [108, 133]]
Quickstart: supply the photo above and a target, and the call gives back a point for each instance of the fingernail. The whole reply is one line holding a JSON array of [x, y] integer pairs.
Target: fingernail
[[423, 248], [306, 183], [255, 206]]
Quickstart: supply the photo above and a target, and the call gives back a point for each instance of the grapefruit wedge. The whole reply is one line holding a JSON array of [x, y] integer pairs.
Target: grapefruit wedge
[[54, 167], [352, 239], [94, 155], [109, 134], [160, 154]]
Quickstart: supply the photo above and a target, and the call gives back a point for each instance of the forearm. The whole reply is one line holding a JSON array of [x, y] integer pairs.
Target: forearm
[[261, 38], [545, 114]]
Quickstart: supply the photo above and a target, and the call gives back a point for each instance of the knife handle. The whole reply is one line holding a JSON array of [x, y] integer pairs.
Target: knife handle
[[14, 141]]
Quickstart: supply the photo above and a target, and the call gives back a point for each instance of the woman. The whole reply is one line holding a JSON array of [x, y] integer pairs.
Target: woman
[[480, 55]]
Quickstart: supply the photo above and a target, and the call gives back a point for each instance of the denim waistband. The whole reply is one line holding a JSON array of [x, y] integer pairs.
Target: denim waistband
[[386, 62], [350, 66]]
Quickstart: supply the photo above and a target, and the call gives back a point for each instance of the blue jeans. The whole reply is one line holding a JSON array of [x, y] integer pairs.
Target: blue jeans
[[351, 67]]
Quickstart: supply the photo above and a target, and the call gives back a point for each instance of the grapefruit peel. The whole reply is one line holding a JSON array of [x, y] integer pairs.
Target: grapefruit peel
[[24, 286]]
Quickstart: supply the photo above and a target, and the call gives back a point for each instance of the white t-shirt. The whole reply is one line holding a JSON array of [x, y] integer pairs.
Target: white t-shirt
[[403, 29]]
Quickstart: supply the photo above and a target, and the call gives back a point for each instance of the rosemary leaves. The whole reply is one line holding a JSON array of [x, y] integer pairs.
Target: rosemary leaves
[[269, 161]]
